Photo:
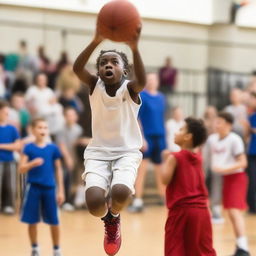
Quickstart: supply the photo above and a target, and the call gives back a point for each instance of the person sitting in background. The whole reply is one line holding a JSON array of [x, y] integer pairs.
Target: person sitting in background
[[238, 111], [67, 139], [68, 98], [172, 126], [167, 77], [18, 107], [42, 102]]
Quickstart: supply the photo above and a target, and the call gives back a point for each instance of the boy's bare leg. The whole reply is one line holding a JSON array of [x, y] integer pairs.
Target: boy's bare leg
[[32, 231], [120, 198], [237, 220], [55, 233], [96, 201]]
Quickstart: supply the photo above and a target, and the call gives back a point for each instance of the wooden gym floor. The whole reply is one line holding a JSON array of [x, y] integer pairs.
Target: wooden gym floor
[[82, 235]]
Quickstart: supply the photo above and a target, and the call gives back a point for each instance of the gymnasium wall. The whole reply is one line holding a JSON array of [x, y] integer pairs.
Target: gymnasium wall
[[193, 47]]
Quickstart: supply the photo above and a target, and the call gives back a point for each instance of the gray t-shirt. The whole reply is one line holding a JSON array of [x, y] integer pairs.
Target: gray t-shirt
[[69, 135], [240, 114]]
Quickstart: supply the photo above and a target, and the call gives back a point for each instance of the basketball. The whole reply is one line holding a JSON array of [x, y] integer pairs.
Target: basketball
[[119, 21]]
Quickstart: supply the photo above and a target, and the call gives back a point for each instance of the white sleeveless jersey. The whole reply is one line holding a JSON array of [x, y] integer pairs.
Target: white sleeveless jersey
[[115, 128]]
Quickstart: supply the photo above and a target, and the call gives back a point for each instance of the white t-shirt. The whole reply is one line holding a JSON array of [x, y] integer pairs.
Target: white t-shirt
[[223, 152], [115, 128], [39, 99], [172, 126]]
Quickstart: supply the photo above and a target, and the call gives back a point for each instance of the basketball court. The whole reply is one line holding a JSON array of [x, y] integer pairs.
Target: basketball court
[[82, 234]]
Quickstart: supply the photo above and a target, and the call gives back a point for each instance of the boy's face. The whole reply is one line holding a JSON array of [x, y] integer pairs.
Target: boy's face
[[182, 135], [152, 82], [18, 102], [40, 130], [4, 114], [71, 116], [111, 68], [222, 125], [41, 80]]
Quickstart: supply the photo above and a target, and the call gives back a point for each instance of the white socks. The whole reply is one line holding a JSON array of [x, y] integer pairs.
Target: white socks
[[242, 243]]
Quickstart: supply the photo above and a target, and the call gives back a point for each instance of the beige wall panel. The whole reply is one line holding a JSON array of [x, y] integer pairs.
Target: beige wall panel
[[10, 37]]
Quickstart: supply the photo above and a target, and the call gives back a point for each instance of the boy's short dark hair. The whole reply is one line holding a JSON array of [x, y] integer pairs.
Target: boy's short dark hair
[[3, 104], [197, 128], [66, 109], [226, 116], [253, 94], [34, 122], [121, 54]]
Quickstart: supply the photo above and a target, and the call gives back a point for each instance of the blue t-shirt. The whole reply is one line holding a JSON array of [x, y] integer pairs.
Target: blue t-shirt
[[8, 134], [252, 143], [152, 112], [45, 173]]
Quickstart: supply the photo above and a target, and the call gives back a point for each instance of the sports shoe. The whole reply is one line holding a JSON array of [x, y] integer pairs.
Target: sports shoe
[[8, 210], [57, 252], [35, 252], [68, 207], [112, 239], [79, 200], [218, 220], [136, 206], [241, 252]]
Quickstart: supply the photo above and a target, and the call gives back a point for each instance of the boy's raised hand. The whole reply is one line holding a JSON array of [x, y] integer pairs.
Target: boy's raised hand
[[134, 43]]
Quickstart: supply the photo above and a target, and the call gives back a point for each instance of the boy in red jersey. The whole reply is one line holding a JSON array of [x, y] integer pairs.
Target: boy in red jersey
[[188, 230]]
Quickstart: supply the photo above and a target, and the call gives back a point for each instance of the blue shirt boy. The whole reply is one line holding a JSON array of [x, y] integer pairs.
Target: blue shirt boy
[[45, 173], [8, 134]]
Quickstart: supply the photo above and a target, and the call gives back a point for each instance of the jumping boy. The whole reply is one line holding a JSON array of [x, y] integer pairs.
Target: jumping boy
[[188, 230], [113, 156], [41, 161], [228, 158]]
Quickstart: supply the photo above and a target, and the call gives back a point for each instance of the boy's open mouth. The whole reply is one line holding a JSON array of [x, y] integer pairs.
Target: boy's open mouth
[[108, 73]]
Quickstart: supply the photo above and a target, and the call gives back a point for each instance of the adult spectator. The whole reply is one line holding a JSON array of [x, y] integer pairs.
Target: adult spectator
[[167, 77], [238, 111], [151, 116]]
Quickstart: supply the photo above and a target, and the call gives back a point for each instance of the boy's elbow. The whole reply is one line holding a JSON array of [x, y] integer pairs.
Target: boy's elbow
[[75, 68]]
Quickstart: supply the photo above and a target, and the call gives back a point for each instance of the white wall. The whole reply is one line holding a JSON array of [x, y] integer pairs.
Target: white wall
[[193, 47], [196, 11]]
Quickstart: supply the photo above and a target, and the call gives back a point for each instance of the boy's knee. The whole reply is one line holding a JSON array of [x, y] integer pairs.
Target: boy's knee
[[120, 193], [95, 200]]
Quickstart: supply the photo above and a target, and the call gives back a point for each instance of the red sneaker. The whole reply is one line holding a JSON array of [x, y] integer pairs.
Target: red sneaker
[[112, 239]]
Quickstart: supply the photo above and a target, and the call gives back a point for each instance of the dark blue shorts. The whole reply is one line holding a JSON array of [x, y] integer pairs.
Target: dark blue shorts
[[39, 203], [156, 144]]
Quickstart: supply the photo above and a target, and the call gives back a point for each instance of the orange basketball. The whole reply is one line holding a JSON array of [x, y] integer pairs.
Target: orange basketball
[[119, 21]]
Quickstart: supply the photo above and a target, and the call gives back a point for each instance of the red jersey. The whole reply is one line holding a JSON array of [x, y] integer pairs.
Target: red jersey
[[187, 187]]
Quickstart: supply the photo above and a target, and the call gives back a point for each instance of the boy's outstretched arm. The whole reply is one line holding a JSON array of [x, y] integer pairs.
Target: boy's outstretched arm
[[169, 167], [79, 66], [138, 84]]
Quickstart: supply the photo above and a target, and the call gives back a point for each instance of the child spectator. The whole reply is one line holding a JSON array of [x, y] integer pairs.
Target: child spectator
[[188, 229], [9, 143], [41, 161]]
